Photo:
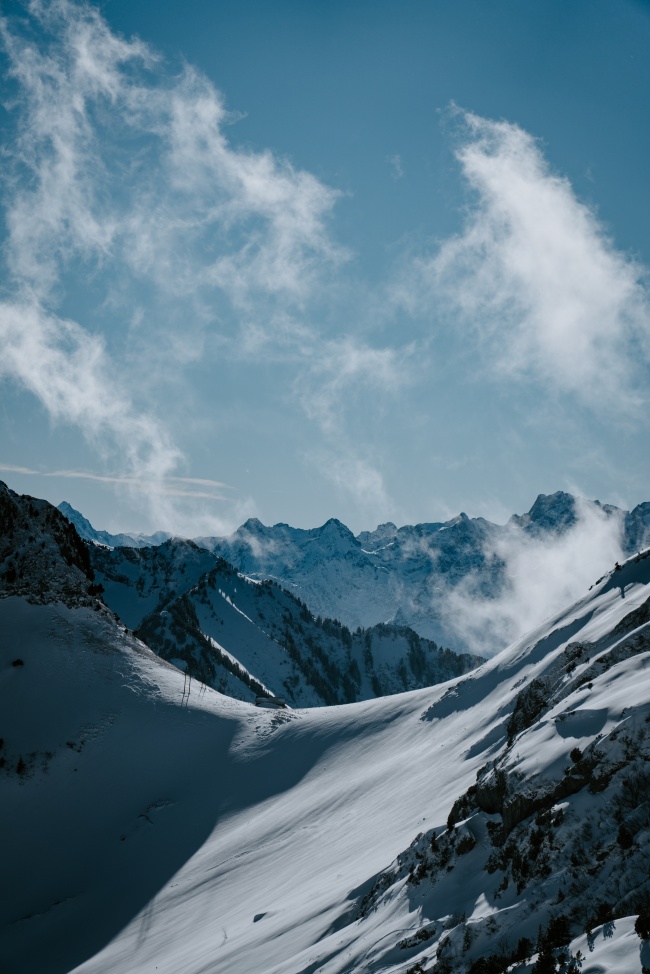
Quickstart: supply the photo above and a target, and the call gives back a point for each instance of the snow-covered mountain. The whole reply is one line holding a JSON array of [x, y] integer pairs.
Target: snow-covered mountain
[[246, 638], [438, 829], [406, 574], [555, 829], [136, 581], [410, 575], [86, 531]]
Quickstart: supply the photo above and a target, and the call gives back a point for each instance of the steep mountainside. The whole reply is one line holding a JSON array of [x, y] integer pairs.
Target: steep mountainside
[[439, 829], [86, 531], [552, 839], [41, 554], [406, 575], [246, 638], [136, 581]]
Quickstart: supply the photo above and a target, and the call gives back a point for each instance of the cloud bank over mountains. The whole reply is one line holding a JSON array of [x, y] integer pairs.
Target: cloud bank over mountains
[[543, 573]]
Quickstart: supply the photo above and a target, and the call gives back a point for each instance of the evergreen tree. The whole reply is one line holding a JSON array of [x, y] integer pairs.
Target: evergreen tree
[[642, 925]]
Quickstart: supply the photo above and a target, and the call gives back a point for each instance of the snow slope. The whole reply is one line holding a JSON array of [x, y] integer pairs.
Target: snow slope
[[152, 831], [245, 638], [556, 827], [137, 802]]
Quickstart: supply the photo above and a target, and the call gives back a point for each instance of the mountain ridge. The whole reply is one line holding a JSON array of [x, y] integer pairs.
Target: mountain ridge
[[198, 612], [495, 822], [405, 575]]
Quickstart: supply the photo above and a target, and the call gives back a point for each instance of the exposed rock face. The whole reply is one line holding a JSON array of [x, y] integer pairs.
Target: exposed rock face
[[555, 831], [41, 554]]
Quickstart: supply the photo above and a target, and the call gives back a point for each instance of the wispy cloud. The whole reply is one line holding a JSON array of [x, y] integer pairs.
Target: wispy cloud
[[333, 378], [121, 175], [128, 161], [535, 277], [125, 479], [12, 468], [357, 478], [335, 381], [190, 487], [338, 369], [69, 370], [543, 575]]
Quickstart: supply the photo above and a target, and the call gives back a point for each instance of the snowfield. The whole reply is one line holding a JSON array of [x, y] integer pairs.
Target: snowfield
[[151, 824], [181, 821]]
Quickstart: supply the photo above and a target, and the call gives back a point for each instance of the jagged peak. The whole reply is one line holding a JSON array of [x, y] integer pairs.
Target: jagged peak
[[560, 498], [335, 527], [253, 525]]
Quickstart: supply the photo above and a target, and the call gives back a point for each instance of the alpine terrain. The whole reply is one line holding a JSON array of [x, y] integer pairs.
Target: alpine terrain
[[248, 638], [410, 576], [500, 821]]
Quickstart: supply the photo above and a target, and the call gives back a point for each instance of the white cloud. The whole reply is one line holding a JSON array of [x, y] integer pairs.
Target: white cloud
[[337, 369], [335, 377], [191, 487], [128, 162], [332, 374], [55, 207], [68, 370], [534, 275], [12, 468], [543, 575], [121, 176]]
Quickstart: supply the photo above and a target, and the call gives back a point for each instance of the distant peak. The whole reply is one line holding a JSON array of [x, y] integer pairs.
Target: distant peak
[[253, 525], [333, 524], [550, 512], [557, 497], [559, 501], [459, 519], [81, 523], [69, 511]]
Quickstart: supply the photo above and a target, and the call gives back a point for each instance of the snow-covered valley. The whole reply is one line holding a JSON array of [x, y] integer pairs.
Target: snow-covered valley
[[156, 826]]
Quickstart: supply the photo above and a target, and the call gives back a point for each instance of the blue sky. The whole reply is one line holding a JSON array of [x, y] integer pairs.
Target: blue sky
[[299, 260]]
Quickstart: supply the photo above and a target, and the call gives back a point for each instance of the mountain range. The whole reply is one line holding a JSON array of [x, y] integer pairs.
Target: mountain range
[[406, 575], [497, 822], [241, 637]]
